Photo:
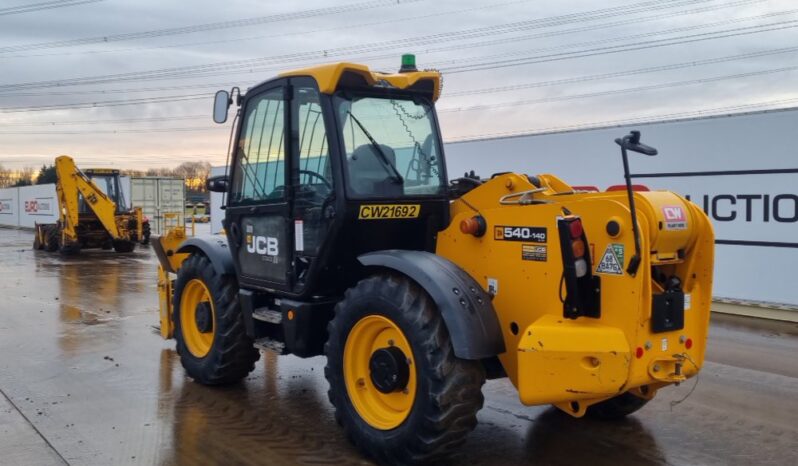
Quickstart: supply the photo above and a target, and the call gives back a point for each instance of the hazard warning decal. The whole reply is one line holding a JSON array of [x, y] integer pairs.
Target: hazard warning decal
[[675, 218], [612, 260]]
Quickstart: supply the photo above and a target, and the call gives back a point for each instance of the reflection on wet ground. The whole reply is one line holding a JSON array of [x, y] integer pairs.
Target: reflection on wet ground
[[83, 364]]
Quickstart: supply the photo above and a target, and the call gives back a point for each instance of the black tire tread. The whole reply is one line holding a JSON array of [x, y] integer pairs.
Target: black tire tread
[[232, 356], [616, 408], [454, 385], [124, 246]]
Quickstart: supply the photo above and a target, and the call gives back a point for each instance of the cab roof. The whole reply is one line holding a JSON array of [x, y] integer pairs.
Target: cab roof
[[333, 76]]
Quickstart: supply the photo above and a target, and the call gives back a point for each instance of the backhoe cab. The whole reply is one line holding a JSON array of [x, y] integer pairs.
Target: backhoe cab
[[343, 237]]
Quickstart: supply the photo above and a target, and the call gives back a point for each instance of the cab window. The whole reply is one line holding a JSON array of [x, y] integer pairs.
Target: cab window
[[259, 172], [391, 147]]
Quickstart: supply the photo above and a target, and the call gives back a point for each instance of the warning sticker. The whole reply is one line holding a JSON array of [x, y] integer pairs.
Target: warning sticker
[[612, 260], [533, 252], [675, 218], [493, 286]]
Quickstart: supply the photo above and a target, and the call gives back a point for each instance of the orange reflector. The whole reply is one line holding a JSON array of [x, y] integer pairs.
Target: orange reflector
[[639, 352], [290, 314], [469, 226], [579, 248], [688, 343]]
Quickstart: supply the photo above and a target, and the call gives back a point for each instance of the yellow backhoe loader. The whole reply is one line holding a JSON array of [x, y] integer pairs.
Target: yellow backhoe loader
[[91, 213], [344, 237]]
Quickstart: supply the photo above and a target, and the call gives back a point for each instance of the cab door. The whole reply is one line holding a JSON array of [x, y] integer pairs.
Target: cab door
[[257, 221], [312, 179]]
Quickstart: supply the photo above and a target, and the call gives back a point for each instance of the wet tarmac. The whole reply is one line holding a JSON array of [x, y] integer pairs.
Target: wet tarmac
[[85, 379]]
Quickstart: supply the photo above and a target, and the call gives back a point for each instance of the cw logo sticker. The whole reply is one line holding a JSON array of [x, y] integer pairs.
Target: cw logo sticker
[[675, 218]]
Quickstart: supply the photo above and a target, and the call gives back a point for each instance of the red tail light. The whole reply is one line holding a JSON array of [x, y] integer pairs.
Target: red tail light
[[582, 289], [575, 227]]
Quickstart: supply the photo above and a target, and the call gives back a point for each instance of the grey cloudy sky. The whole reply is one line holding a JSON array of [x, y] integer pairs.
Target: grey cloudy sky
[[510, 66]]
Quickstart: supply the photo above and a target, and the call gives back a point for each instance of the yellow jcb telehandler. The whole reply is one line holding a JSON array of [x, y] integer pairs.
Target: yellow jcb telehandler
[[92, 213], [344, 237]]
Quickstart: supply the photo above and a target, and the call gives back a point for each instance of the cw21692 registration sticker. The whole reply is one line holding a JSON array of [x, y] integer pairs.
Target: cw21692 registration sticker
[[525, 234], [388, 211]]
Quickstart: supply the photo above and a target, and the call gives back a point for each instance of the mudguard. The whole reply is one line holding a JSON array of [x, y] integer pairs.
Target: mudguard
[[466, 308], [215, 248]]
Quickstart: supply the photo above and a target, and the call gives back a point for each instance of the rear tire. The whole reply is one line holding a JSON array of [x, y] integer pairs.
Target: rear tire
[[145, 233], [446, 389], [225, 354], [52, 238], [124, 246], [616, 408], [69, 249]]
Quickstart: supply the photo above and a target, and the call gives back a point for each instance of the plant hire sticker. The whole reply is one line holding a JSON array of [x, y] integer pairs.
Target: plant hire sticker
[[675, 218]]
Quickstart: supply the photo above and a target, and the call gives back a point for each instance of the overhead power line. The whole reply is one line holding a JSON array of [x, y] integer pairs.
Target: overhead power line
[[33, 7], [347, 27], [352, 7], [108, 121], [471, 92], [642, 45], [618, 74], [475, 66], [648, 5], [107, 103], [119, 131], [774, 105], [628, 90]]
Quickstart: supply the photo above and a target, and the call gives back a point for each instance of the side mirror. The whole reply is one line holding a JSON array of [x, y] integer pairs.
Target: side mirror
[[632, 142], [221, 102], [217, 184]]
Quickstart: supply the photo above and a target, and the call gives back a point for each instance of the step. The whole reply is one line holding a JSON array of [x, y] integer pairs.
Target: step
[[267, 315], [267, 344]]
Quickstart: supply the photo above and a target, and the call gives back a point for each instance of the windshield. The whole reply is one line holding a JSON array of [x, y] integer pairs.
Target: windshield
[[109, 185], [391, 147]]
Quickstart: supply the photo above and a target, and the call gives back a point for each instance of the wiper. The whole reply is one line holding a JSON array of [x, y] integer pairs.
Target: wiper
[[381, 156]]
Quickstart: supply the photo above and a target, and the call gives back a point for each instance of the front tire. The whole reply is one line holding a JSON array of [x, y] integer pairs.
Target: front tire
[[412, 413], [209, 328]]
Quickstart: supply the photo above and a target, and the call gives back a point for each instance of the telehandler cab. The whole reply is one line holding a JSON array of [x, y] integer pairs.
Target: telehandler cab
[[344, 238]]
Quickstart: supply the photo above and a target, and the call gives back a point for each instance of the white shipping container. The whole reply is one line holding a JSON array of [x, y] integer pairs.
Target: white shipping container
[[158, 196], [9, 207]]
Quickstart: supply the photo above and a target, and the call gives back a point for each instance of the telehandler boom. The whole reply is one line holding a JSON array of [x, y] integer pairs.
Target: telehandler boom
[[345, 238], [90, 216]]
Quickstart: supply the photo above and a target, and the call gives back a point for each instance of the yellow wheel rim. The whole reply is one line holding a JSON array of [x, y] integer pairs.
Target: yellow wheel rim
[[380, 410], [198, 342]]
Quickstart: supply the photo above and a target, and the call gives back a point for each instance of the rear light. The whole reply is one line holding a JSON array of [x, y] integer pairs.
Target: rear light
[[688, 343], [582, 289], [581, 268], [578, 247], [575, 227], [639, 352]]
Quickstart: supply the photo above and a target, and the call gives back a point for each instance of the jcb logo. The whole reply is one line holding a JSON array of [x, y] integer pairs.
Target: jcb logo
[[263, 245]]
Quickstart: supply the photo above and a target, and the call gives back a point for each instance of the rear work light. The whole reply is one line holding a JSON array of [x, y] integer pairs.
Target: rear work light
[[582, 288]]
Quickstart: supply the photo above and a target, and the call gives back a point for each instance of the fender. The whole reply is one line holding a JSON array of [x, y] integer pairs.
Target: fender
[[215, 248], [466, 308]]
